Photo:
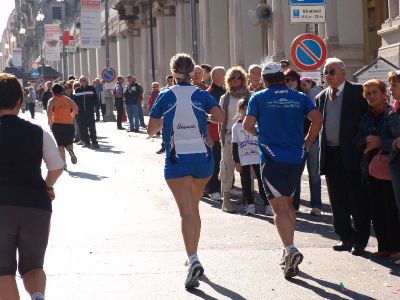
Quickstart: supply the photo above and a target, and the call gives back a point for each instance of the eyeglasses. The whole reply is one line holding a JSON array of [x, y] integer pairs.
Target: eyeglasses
[[238, 77], [331, 72], [290, 79]]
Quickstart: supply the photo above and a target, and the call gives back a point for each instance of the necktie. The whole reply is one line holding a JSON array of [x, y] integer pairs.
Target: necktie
[[334, 95]]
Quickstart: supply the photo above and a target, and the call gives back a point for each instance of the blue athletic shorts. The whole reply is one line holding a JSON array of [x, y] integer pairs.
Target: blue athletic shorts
[[280, 179], [196, 170]]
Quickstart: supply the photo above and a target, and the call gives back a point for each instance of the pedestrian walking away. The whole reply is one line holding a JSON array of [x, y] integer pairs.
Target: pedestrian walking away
[[25, 202], [182, 113], [61, 111], [278, 112]]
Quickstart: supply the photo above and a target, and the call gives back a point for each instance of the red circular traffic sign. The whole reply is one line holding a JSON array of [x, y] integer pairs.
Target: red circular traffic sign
[[308, 52], [108, 74]]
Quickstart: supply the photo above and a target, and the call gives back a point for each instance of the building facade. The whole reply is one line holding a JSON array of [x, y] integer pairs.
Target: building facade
[[221, 32]]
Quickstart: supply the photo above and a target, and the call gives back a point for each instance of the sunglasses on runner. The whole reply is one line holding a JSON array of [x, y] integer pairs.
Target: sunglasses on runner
[[238, 77]]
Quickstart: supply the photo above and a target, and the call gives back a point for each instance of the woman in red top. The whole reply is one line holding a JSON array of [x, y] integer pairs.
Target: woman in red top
[[156, 90], [61, 111]]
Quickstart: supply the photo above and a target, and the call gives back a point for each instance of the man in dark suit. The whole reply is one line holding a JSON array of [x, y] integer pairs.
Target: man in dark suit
[[342, 106]]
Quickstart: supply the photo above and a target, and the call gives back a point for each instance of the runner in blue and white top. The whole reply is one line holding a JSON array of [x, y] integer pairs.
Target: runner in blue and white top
[[182, 111], [279, 114]]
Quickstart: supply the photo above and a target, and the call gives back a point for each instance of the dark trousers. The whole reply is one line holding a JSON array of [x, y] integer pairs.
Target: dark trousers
[[395, 174], [214, 185], [32, 109], [245, 178], [87, 126], [119, 105], [103, 110], [97, 110], [383, 210], [348, 199]]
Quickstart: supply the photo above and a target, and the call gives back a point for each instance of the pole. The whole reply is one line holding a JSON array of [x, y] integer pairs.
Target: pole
[[152, 41], [194, 28], [64, 58], [106, 33], [41, 54]]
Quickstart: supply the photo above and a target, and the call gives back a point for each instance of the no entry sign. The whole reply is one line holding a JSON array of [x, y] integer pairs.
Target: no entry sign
[[308, 52], [108, 74]]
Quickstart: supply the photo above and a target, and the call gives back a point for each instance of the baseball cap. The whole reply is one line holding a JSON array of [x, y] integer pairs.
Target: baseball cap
[[271, 68]]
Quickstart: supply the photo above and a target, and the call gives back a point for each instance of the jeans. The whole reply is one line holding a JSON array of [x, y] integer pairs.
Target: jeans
[[141, 116], [86, 123], [133, 116], [32, 109], [313, 177]]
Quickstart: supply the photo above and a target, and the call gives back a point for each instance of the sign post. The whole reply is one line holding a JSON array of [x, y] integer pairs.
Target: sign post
[[307, 11], [308, 52]]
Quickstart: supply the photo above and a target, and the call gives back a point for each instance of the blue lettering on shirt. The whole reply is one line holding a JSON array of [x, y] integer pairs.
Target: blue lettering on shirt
[[280, 112]]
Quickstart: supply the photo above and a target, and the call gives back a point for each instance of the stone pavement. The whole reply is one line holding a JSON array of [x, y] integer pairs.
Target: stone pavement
[[115, 234]]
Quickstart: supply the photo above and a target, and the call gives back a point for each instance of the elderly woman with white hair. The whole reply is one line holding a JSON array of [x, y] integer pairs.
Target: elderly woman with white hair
[[255, 82]]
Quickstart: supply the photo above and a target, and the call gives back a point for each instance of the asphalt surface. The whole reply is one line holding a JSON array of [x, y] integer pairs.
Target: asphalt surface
[[115, 234]]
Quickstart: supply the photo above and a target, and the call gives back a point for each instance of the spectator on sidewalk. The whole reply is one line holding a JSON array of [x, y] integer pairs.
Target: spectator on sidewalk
[[235, 82], [133, 94], [119, 100], [342, 104], [181, 111], [255, 82], [99, 88], [206, 74], [86, 99], [246, 157], [197, 78], [25, 202], [216, 90]]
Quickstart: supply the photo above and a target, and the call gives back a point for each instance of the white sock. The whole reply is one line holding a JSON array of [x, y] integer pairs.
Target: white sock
[[193, 258], [288, 248], [37, 296]]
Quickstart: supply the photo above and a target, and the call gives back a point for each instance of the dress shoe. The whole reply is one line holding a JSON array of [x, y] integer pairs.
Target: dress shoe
[[358, 250], [343, 246]]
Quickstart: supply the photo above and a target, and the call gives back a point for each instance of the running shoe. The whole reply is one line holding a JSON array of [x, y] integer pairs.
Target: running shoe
[[292, 260], [250, 210], [194, 273], [71, 153]]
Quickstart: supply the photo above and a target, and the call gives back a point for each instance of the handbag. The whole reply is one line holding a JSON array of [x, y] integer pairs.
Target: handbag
[[379, 166]]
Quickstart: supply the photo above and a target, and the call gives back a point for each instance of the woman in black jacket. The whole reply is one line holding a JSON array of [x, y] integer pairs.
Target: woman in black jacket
[[376, 134]]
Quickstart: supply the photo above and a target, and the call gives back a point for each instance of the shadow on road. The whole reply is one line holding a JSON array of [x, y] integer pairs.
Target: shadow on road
[[219, 289], [108, 149], [85, 175], [323, 293], [385, 262]]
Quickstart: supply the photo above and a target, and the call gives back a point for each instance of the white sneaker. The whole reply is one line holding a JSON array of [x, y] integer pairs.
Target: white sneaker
[[215, 196], [250, 210], [268, 211], [235, 192]]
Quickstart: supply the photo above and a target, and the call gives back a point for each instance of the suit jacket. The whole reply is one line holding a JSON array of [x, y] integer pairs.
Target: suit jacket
[[354, 106]]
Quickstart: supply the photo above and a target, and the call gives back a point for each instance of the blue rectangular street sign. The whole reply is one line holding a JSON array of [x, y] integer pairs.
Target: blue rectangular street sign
[[307, 2]]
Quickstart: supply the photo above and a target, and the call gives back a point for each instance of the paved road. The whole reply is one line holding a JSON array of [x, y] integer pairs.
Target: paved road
[[115, 235]]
